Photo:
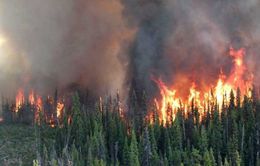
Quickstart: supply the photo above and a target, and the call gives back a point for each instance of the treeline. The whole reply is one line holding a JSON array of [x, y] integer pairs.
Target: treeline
[[103, 136]]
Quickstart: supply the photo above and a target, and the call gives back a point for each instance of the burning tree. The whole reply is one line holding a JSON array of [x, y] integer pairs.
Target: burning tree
[[239, 78]]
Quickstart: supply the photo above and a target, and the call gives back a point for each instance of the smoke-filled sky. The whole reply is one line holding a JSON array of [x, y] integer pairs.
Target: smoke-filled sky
[[186, 41], [104, 44], [56, 43]]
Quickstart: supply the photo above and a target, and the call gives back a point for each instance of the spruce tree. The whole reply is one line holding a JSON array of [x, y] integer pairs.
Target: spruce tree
[[155, 160], [125, 156], [203, 145], [206, 159], [196, 157], [226, 163], [176, 157], [176, 134], [77, 123], [212, 158], [133, 152], [146, 148]]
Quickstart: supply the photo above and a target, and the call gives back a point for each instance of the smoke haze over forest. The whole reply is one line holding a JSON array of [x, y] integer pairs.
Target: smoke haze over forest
[[112, 45]]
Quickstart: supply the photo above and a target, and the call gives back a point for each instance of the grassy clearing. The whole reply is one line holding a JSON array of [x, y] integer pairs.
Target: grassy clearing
[[17, 145]]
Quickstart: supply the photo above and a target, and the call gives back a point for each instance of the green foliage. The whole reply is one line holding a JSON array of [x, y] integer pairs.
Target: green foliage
[[125, 157], [17, 145], [196, 158], [146, 148], [98, 135], [133, 151], [208, 158]]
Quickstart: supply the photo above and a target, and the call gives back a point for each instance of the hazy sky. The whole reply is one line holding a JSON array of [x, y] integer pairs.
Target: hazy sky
[[103, 44]]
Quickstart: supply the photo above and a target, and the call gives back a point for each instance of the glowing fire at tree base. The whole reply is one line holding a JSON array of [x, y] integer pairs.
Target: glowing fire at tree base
[[239, 81], [36, 106]]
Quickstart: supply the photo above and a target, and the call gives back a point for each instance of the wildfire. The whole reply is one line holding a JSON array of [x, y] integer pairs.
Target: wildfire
[[36, 105], [19, 100], [218, 93], [39, 103], [59, 109], [31, 98], [35, 100]]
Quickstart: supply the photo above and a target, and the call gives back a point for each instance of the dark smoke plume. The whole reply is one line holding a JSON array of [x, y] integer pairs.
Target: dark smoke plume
[[188, 41], [115, 44], [57, 43]]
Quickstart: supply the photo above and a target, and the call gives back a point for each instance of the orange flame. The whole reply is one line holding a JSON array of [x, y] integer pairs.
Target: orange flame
[[31, 98], [218, 93], [59, 109], [39, 103], [36, 104], [19, 100], [35, 100]]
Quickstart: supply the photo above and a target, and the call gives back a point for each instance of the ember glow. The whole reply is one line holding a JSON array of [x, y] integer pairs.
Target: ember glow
[[219, 93], [31, 98], [59, 109], [19, 100], [36, 105]]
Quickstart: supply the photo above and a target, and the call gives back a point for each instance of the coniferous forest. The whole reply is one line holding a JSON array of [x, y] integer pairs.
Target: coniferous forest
[[100, 134], [130, 82]]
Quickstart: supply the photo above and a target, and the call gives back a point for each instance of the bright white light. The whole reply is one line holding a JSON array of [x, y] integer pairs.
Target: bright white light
[[3, 50], [2, 40]]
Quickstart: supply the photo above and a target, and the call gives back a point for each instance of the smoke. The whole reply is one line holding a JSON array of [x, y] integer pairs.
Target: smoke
[[104, 45], [63, 42], [188, 41]]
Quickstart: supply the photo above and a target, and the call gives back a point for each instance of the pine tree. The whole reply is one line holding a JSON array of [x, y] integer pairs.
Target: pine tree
[[176, 157], [219, 163], [121, 133], [165, 161], [101, 147], [237, 159], [45, 156], [133, 153], [238, 98], [224, 124], [176, 134], [77, 123], [146, 148], [169, 154], [226, 162], [186, 158], [232, 100], [54, 158], [111, 136], [249, 121], [206, 159], [76, 160], [196, 157], [212, 158], [215, 130], [133, 108], [203, 140], [125, 156], [155, 160]]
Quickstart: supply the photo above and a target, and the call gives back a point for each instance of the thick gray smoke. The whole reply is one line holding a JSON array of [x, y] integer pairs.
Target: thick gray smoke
[[58, 42], [104, 44], [188, 40]]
